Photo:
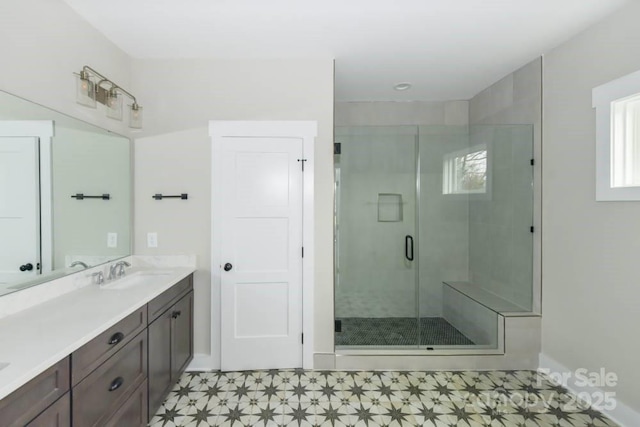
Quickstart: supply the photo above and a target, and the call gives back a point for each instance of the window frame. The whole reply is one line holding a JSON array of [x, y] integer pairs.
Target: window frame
[[447, 174], [603, 97]]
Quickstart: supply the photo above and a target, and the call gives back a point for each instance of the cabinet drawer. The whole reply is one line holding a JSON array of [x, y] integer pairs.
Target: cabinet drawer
[[24, 404], [99, 396], [56, 415], [134, 412], [91, 355], [164, 300]]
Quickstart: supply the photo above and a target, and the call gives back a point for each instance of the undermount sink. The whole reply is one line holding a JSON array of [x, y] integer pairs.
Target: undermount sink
[[135, 279], [3, 365]]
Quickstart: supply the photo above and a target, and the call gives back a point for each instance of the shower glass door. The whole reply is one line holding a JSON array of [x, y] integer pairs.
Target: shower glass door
[[433, 237], [376, 244]]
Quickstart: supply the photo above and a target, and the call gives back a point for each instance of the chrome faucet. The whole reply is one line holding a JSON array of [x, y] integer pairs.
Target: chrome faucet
[[98, 278], [117, 269], [75, 263]]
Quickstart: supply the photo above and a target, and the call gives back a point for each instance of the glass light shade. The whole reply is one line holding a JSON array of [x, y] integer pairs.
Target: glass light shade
[[85, 91], [135, 117], [114, 105]]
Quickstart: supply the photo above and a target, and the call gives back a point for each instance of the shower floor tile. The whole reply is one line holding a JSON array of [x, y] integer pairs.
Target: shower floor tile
[[373, 399], [398, 331]]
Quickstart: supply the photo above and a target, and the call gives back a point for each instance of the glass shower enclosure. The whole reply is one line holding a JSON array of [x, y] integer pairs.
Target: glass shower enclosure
[[429, 222]]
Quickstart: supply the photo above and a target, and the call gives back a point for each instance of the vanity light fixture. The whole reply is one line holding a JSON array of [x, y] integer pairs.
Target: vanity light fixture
[[92, 87]]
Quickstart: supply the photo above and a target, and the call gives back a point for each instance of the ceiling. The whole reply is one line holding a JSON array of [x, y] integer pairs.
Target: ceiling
[[448, 49]]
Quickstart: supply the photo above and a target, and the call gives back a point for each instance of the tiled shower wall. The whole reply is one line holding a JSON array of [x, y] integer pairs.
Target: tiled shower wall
[[385, 286], [373, 277], [501, 245], [444, 219]]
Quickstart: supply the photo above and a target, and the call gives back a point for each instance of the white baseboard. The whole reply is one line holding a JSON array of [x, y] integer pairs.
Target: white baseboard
[[621, 414], [201, 363]]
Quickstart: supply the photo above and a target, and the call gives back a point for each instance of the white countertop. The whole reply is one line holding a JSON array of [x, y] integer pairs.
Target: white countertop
[[34, 339]]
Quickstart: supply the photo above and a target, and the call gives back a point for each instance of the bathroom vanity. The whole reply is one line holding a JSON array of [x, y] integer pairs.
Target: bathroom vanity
[[100, 355]]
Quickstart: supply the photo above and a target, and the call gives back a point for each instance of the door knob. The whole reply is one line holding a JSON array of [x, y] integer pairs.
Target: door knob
[[26, 267], [228, 266]]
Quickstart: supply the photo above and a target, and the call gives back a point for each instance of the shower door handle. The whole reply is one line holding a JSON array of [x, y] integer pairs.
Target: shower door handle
[[408, 247]]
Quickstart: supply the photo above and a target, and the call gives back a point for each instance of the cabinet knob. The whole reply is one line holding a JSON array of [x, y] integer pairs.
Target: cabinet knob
[[175, 314], [228, 266]]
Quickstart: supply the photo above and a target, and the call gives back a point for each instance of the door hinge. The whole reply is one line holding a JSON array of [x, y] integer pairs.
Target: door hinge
[[302, 338], [531, 229], [337, 148], [303, 252], [533, 162], [302, 162]]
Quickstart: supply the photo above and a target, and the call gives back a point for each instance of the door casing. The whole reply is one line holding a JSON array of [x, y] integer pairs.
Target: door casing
[[44, 131], [307, 132]]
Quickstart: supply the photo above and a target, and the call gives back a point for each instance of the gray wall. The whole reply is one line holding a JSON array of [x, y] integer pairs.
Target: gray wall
[[45, 42], [173, 155], [591, 290], [93, 164]]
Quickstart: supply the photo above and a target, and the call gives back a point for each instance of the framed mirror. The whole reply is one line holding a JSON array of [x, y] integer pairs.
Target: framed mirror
[[65, 194]]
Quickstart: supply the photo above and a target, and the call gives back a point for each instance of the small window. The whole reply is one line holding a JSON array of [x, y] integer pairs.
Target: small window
[[617, 105], [625, 142], [465, 171]]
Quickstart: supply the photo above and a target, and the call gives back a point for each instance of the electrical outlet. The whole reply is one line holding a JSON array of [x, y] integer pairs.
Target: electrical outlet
[[152, 240], [112, 240]]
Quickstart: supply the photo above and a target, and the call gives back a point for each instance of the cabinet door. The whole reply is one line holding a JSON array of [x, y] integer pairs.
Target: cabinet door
[[181, 336], [159, 361], [56, 415]]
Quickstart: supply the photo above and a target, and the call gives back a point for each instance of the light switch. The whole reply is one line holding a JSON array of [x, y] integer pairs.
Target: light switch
[[112, 240], [152, 240]]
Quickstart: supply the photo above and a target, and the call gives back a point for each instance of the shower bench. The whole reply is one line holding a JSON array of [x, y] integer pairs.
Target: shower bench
[[477, 312]]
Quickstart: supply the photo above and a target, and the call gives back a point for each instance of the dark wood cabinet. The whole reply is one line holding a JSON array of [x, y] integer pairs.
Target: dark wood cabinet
[[100, 395], [133, 413], [56, 415], [91, 355], [159, 361], [170, 347], [23, 405], [120, 378], [162, 302], [181, 336]]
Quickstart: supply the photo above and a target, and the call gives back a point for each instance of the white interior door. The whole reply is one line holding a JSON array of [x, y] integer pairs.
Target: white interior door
[[261, 253], [19, 208]]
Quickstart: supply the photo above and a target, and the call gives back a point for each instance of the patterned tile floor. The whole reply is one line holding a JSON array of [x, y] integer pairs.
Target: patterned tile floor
[[402, 331], [371, 399]]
